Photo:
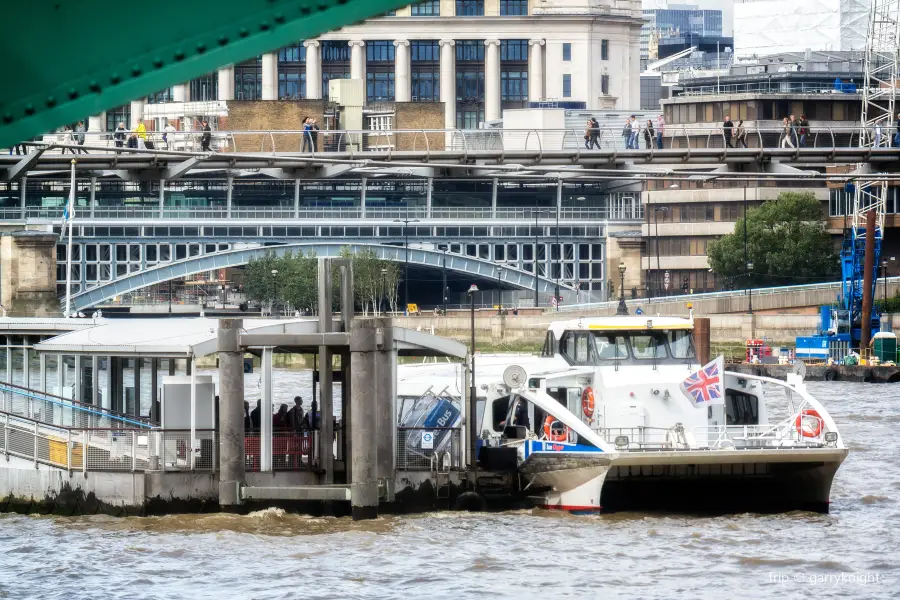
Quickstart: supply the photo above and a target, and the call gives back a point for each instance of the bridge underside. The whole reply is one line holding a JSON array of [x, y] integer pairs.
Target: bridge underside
[[473, 268]]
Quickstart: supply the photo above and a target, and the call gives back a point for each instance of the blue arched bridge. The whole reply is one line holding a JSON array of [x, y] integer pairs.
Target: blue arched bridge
[[477, 267]]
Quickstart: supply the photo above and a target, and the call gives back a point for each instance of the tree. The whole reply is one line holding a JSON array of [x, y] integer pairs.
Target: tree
[[786, 242]]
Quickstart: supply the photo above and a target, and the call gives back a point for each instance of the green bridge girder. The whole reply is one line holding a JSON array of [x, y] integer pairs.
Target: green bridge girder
[[69, 59]]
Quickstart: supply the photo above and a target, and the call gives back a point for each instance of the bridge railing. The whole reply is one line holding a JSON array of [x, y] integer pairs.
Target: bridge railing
[[684, 298], [604, 138]]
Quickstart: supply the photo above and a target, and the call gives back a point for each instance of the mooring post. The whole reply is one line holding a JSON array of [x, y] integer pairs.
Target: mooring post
[[231, 412], [365, 337], [701, 339]]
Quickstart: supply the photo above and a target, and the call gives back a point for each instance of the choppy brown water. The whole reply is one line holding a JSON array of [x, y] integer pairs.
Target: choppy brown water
[[854, 552]]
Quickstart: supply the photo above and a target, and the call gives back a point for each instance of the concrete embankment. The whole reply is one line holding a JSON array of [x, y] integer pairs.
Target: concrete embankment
[[856, 373]]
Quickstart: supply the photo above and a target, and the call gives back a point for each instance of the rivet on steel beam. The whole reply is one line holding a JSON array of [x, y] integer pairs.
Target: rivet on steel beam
[[50, 101], [73, 93], [7, 118], [264, 26], [279, 18], [158, 62], [201, 48], [179, 55], [223, 40], [94, 86], [115, 78], [135, 71], [29, 109], [243, 32]]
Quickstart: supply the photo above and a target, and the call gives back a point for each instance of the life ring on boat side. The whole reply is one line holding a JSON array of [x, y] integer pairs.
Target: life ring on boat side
[[806, 432], [587, 404], [559, 436]]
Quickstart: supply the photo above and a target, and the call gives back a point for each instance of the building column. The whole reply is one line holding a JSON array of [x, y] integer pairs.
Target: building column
[[137, 113], [536, 70], [402, 87], [492, 80], [448, 82], [226, 83], [270, 76], [313, 70], [97, 123], [357, 59]]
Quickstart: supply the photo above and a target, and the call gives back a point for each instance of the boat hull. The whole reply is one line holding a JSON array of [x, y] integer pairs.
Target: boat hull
[[569, 476]]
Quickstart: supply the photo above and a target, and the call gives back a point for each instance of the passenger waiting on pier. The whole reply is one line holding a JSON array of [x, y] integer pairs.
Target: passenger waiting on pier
[[312, 417], [280, 419], [295, 415], [248, 424], [255, 415]]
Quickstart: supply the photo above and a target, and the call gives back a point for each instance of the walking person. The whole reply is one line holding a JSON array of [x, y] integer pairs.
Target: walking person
[[592, 134], [795, 131], [169, 135], [635, 132], [307, 135], [119, 135], [727, 130], [660, 129], [649, 134], [68, 139], [140, 134], [206, 138], [626, 133], [79, 136], [740, 135], [803, 125], [786, 141]]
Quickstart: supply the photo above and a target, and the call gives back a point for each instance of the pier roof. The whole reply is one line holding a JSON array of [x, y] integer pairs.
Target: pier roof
[[194, 337]]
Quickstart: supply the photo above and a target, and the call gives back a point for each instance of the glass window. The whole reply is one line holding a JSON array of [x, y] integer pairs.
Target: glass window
[[424, 51], [604, 49], [604, 85], [379, 51], [291, 84], [648, 346], [514, 85], [429, 8], [514, 50], [513, 8], [205, 88], [470, 50], [567, 51], [610, 347], [469, 8], [567, 85], [292, 54], [680, 344], [335, 51], [379, 86], [576, 347]]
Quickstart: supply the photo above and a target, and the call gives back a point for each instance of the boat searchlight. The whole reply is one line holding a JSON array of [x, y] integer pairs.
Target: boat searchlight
[[621, 441]]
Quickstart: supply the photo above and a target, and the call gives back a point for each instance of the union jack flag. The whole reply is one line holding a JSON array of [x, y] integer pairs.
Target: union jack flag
[[707, 386]]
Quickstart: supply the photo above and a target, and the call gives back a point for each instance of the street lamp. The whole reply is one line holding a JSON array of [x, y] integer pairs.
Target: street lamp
[[750, 295], [535, 257], [444, 248], [499, 292], [383, 289], [472, 419], [656, 210], [224, 289], [274, 288], [406, 223], [622, 309], [170, 296]]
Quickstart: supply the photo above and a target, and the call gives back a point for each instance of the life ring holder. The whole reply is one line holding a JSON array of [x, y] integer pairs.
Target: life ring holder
[[817, 430], [587, 404]]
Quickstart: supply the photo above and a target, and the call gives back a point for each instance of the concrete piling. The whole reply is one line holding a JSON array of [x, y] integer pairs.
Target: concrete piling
[[366, 335], [702, 339], [231, 412], [385, 396]]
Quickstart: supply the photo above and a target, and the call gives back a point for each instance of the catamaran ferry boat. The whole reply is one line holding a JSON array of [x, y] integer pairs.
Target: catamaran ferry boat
[[617, 413]]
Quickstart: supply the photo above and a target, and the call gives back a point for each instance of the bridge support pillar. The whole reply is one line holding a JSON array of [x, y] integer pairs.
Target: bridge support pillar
[[28, 274]]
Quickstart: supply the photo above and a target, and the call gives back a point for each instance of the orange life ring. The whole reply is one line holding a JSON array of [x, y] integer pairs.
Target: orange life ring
[[810, 433], [548, 430], [587, 404]]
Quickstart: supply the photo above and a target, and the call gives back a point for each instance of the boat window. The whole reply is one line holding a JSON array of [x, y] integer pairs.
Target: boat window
[[577, 348], [549, 348], [680, 344], [646, 347], [741, 409], [610, 347], [499, 408]]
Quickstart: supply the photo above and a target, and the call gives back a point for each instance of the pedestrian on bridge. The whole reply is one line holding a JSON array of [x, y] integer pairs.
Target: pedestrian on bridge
[[206, 138], [635, 132], [79, 136], [803, 124], [307, 135], [119, 135], [649, 134], [727, 130], [626, 133], [786, 141], [740, 135], [795, 131], [592, 134], [660, 128]]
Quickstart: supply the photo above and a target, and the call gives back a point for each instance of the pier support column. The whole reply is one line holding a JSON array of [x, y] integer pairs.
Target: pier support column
[[366, 340], [326, 385], [265, 412], [385, 409], [231, 412]]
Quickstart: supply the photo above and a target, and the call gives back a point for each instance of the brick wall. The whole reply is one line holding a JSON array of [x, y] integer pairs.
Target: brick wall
[[419, 115], [274, 115]]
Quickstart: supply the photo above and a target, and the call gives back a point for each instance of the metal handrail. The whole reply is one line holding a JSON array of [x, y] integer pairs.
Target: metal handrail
[[67, 403]]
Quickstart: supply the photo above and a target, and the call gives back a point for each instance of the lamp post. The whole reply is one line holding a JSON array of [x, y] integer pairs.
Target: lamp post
[[656, 211], [445, 247], [274, 288], [750, 289], [170, 296], [499, 292], [558, 248], [536, 230], [471, 419], [406, 223], [383, 290], [622, 309]]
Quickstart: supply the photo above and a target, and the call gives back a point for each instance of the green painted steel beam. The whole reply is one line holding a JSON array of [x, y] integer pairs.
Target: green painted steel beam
[[69, 59]]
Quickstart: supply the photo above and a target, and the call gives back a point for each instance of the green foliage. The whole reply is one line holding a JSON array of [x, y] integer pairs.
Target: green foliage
[[891, 305], [786, 242], [297, 280]]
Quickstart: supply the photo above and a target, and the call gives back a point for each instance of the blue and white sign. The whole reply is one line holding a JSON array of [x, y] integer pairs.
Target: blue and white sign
[[427, 440]]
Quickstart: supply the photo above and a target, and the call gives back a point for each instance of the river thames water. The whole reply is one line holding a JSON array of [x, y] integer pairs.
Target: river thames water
[[851, 553]]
